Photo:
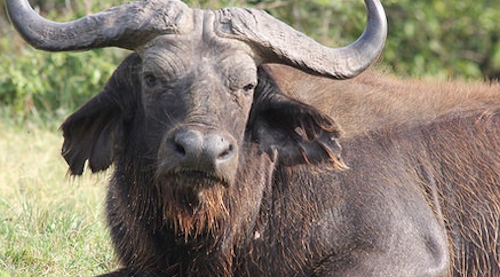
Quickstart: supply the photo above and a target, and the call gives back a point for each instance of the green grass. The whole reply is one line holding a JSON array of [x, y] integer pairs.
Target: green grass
[[50, 224]]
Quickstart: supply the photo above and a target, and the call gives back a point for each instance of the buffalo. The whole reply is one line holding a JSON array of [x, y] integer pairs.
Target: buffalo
[[238, 150]]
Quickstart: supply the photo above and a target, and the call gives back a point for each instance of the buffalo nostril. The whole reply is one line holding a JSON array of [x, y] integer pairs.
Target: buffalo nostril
[[187, 145], [226, 153], [220, 147], [179, 149]]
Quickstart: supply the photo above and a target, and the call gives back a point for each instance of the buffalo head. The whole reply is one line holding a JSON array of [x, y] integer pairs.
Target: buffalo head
[[191, 103]]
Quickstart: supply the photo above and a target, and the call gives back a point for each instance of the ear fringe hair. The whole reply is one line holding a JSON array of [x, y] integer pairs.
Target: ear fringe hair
[[337, 163]]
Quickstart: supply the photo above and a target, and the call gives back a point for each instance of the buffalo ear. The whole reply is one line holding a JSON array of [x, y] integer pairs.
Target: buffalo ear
[[96, 131], [298, 132]]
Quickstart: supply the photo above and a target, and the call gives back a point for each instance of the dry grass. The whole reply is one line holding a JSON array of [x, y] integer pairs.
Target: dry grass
[[50, 224]]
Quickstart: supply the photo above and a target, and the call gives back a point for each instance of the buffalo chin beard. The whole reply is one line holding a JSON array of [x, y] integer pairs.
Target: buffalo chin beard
[[193, 204]]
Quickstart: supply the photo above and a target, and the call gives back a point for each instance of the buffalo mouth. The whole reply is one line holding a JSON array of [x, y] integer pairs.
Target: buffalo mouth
[[188, 188], [193, 201]]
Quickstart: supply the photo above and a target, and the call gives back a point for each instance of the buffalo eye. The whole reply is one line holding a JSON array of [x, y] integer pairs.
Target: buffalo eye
[[247, 89], [150, 79]]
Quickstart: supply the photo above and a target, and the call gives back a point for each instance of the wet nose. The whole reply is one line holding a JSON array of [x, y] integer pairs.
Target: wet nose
[[205, 152]]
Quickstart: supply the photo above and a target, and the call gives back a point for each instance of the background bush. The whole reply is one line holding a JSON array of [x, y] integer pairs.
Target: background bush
[[438, 38], [55, 82]]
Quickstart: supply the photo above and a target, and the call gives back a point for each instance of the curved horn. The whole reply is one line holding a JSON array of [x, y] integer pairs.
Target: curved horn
[[279, 43], [127, 26]]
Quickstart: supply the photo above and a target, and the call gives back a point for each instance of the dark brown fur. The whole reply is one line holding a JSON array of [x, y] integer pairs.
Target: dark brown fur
[[444, 134]]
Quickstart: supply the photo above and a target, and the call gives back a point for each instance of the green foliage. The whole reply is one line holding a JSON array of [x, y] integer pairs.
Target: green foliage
[[34, 80], [444, 38]]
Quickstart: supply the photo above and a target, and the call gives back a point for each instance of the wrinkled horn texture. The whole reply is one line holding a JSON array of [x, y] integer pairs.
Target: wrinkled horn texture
[[128, 26], [279, 43]]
